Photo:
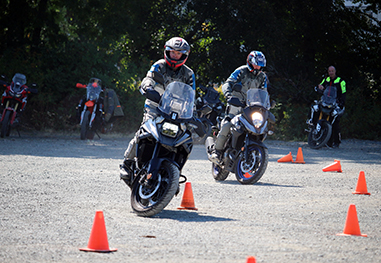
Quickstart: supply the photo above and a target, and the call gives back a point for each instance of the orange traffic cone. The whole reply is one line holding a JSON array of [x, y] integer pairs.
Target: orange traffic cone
[[335, 167], [352, 227], [251, 259], [187, 201], [286, 158], [361, 185], [299, 156], [98, 237]]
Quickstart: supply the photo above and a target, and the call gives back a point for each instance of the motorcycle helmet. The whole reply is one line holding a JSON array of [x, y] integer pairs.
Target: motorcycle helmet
[[178, 44], [255, 59]]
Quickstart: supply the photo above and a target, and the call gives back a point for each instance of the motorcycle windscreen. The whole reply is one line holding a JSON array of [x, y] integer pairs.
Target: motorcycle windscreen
[[177, 101], [329, 95], [258, 97], [93, 91]]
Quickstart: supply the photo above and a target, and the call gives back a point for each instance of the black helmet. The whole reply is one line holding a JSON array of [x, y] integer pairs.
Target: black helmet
[[178, 44]]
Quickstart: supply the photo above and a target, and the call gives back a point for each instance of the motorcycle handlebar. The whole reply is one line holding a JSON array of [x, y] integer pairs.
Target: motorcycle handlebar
[[31, 90]]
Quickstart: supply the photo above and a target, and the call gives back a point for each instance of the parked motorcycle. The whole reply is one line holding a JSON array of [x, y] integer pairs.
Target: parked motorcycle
[[209, 109], [244, 152], [14, 100], [323, 115], [90, 109], [163, 146]]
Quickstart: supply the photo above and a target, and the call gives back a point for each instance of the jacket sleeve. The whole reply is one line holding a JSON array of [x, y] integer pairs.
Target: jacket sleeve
[[342, 98], [229, 83], [148, 82]]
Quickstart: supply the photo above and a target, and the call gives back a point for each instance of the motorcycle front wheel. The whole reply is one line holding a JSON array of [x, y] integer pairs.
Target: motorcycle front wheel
[[219, 174], [85, 125], [149, 200], [6, 124], [251, 170], [319, 136]]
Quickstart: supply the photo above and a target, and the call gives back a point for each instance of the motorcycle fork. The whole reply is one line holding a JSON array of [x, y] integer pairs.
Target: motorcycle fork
[[83, 113], [93, 115], [245, 149], [323, 117], [152, 168]]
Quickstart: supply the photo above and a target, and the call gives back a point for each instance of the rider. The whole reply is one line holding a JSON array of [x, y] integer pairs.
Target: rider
[[249, 76], [334, 81], [173, 68]]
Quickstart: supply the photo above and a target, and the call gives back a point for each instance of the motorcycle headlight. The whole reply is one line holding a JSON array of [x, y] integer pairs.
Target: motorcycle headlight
[[169, 129], [257, 119]]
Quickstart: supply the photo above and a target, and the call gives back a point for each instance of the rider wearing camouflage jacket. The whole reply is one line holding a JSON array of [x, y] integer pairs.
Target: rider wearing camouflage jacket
[[172, 68]]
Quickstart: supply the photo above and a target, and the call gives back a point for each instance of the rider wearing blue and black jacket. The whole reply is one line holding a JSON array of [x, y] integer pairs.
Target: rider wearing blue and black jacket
[[173, 68], [250, 76]]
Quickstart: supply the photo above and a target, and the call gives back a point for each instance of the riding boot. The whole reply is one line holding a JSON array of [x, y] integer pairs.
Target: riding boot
[[127, 171]]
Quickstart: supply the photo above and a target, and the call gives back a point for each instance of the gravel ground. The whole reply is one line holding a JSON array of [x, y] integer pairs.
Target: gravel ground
[[52, 186]]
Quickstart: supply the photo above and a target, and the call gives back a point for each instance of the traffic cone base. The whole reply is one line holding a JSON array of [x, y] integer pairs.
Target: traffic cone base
[[285, 159], [299, 156], [361, 188], [335, 167], [187, 203], [352, 227], [98, 237]]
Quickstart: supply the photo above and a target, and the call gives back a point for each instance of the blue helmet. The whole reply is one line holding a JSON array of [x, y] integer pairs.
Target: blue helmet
[[256, 58]]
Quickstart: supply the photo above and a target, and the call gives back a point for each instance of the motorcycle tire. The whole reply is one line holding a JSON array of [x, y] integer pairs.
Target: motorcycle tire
[[85, 125], [149, 201], [318, 139], [6, 124], [219, 174], [249, 172]]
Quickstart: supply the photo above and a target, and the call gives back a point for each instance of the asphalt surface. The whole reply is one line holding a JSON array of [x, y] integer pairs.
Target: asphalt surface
[[52, 185]]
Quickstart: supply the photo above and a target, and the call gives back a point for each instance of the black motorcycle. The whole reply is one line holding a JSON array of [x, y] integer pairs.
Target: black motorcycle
[[323, 116], [209, 109], [163, 146], [244, 152]]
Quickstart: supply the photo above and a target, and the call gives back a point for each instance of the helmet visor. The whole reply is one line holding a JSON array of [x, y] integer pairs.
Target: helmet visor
[[179, 50]]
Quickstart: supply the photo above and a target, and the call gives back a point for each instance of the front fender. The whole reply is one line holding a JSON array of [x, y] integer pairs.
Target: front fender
[[155, 165], [258, 143]]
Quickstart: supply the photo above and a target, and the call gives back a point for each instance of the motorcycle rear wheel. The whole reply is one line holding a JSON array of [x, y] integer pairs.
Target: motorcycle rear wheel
[[318, 139], [85, 125], [250, 171], [148, 201], [219, 174], [6, 124]]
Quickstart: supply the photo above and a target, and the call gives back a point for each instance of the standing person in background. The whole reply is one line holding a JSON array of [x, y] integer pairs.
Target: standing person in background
[[339, 83]]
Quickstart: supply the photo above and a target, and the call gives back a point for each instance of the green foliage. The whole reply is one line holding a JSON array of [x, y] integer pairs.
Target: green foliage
[[59, 43]]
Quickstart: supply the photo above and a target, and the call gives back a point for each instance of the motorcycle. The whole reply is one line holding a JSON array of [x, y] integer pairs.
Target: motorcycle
[[244, 152], [163, 146], [91, 112], [325, 111], [14, 100], [209, 109]]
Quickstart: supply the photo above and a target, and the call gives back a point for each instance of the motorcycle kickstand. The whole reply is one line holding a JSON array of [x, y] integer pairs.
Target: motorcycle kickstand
[[98, 135]]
